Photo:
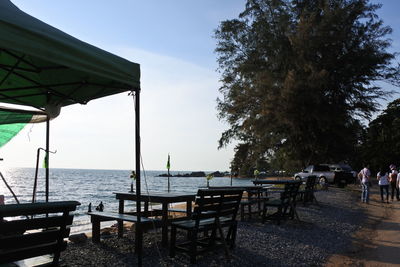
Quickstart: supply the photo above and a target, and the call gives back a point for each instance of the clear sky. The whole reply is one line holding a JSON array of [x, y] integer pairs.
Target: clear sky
[[173, 42]]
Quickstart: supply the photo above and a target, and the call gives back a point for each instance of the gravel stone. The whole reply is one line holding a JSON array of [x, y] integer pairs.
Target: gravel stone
[[324, 229]]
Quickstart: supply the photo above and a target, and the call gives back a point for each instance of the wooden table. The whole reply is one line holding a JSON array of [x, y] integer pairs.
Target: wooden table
[[245, 187], [164, 198], [272, 182], [256, 194]]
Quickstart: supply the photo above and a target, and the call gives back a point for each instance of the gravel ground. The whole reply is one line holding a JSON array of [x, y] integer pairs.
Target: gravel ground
[[324, 229]]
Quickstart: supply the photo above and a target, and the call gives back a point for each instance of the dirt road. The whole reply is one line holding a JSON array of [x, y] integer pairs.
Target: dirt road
[[377, 243]]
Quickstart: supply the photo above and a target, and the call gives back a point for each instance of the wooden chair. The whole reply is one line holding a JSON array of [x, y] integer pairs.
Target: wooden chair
[[256, 199], [252, 202], [307, 195], [285, 205], [35, 229], [214, 210]]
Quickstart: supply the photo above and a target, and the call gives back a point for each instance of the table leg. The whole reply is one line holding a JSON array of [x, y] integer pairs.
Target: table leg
[[164, 239], [188, 212], [95, 230], [189, 208], [121, 223], [138, 239]]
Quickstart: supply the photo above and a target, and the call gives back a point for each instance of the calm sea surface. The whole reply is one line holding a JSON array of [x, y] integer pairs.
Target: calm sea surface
[[93, 186]]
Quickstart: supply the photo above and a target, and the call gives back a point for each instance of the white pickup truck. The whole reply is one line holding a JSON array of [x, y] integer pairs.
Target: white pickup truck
[[323, 173]]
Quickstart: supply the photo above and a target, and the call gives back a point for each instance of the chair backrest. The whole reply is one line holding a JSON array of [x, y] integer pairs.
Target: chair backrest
[[253, 192], [216, 203], [30, 230], [295, 186], [310, 183], [290, 192]]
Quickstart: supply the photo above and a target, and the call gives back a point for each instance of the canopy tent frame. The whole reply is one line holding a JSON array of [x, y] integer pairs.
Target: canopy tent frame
[[45, 88], [138, 231], [41, 66]]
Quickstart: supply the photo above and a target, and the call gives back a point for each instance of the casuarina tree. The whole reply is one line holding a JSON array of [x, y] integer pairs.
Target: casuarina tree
[[381, 144], [298, 76]]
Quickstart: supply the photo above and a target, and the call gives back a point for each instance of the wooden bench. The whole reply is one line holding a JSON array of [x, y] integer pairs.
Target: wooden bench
[[96, 217], [214, 209], [31, 230]]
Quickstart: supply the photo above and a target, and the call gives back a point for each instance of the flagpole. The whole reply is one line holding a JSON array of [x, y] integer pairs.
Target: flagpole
[[169, 186], [168, 166]]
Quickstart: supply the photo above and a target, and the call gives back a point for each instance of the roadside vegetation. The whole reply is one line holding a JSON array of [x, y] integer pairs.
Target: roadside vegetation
[[301, 82]]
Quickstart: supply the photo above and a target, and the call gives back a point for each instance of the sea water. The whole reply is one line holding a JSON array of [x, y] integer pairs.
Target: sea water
[[94, 186]]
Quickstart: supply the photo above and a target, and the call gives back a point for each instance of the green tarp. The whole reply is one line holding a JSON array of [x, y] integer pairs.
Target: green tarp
[[41, 65], [8, 131], [10, 116], [12, 121]]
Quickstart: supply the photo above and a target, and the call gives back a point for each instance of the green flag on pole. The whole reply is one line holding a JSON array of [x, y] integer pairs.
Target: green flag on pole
[[45, 161], [168, 163]]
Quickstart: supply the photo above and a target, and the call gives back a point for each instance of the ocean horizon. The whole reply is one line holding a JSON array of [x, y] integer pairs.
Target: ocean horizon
[[97, 185]]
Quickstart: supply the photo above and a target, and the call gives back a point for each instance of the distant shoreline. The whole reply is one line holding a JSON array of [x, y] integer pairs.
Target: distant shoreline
[[196, 174]]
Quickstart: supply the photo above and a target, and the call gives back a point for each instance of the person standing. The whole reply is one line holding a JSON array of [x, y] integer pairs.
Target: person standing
[[398, 186], [383, 181], [364, 176], [393, 181]]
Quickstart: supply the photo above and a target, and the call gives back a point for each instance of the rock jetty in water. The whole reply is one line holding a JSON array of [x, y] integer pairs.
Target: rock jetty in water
[[196, 174], [192, 174]]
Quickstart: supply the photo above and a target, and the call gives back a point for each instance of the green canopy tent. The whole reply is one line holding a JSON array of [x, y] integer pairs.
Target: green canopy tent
[[45, 68], [41, 65]]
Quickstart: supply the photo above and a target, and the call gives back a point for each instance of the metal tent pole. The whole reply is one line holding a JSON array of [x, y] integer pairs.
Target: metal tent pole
[[138, 232], [47, 156], [36, 175]]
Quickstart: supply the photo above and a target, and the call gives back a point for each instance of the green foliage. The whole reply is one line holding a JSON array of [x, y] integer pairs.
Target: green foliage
[[381, 146], [246, 161], [297, 76]]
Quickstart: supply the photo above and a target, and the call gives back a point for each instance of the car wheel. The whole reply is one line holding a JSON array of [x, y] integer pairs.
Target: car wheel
[[297, 178], [322, 181]]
